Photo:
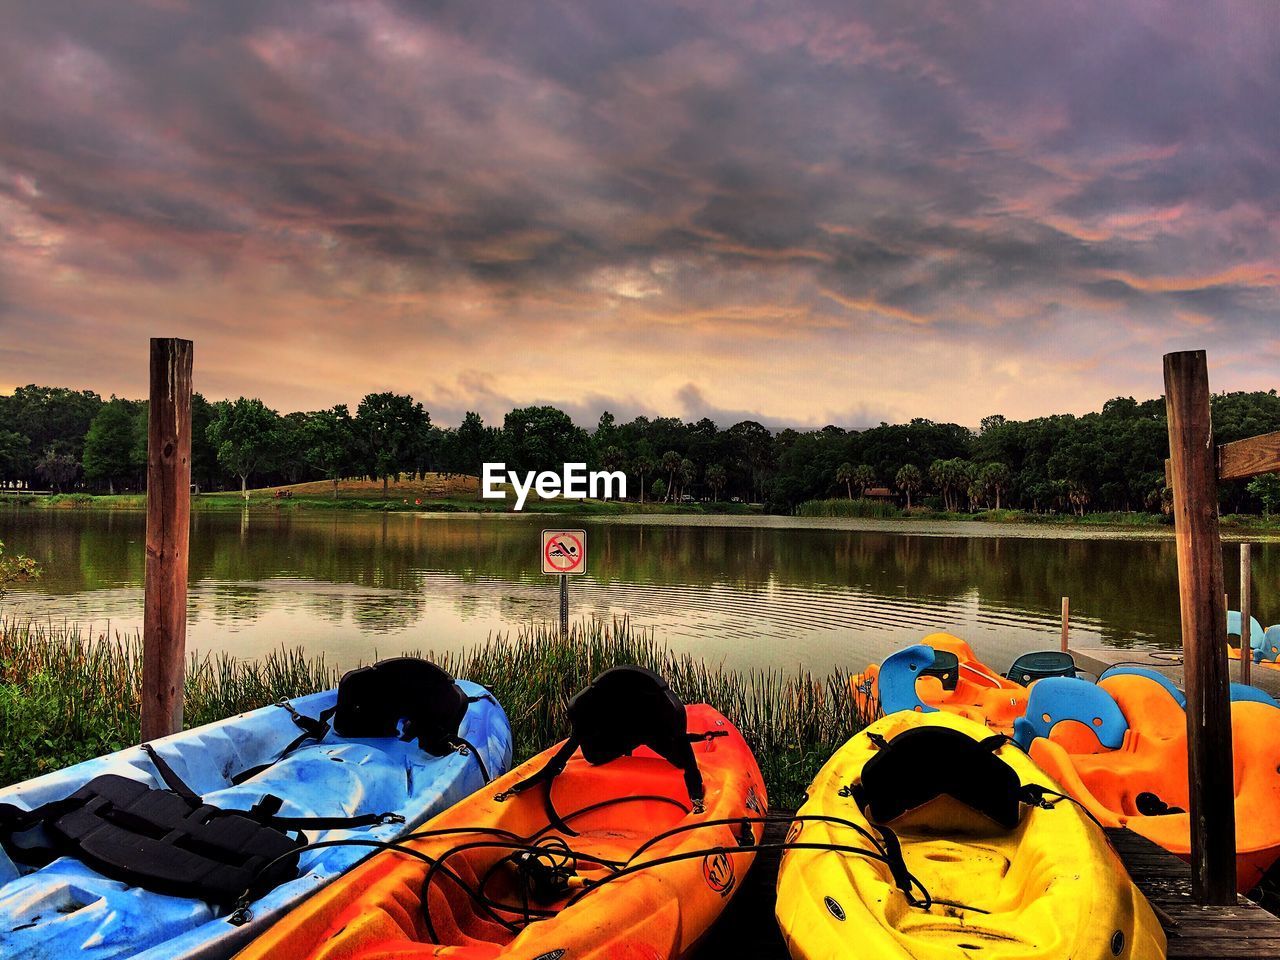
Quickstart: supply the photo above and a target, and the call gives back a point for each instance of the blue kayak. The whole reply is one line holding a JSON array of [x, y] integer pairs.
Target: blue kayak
[[67, 908]]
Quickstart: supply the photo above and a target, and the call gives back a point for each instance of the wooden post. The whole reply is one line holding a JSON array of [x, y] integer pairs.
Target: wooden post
[[1200, 588], [164, 631], [1246, 611], [1066, 623], [564, 607]]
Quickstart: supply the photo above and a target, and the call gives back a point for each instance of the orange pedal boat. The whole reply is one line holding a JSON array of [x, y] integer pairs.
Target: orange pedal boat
[[612, 845], [1143, 783], [941, 672]]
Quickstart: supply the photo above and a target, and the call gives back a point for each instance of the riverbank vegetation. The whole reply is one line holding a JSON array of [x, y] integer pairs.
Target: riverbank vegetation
[[1108, 462], [66, 696]]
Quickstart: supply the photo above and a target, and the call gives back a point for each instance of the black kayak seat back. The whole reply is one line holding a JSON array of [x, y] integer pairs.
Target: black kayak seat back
[[157, 840], [375, 701], [1040, 664], [625, 708], [946, 667], [926, 762]]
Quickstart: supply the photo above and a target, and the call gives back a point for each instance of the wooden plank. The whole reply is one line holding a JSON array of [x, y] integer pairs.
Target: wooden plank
[[1200, 587], [164, 632], [1246, 611], [1243, 459]]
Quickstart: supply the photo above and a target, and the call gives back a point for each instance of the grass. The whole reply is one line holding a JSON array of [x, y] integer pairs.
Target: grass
[[440, 493], [66, 696], [876, 509]]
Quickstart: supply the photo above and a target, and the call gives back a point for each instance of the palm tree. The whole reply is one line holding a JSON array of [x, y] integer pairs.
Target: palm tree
[[909, 480], [716, 478], [688, 474], [844, 474], [643, 466], [995, 478], [863, 477], [670, 463]]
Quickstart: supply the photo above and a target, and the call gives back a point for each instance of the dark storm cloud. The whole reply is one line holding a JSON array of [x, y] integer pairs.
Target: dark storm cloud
[[751, 188]]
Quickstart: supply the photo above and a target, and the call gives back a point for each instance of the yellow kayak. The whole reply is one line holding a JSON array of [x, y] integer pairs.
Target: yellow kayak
[[989, 866]]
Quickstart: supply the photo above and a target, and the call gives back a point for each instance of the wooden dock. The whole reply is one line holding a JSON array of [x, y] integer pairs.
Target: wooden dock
[[747, 931], [1095, 660]]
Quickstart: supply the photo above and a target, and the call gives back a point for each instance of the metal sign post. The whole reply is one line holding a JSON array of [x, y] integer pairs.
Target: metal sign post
[[564, 554]]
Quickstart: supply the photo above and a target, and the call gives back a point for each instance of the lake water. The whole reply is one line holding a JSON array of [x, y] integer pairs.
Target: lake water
[[748, 592]]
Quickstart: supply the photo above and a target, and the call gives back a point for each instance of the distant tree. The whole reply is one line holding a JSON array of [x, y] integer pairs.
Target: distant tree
[[863, 477], [14, 453], [389, 428], [844, 474], [642, 466], [471, 443], [542, 438], [1078, 496], [994, 480], [329, 442], [909, 480], [1267, 489], [670, 463], [108, 445], [687, 474], [612, 457], [204, 456], [950, 477], [245, 434], [57, 467], [716, 478], [659, 489], [755, 448], [55, 417]]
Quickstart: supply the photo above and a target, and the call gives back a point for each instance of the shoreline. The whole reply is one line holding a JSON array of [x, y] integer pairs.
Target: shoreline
[[999, 524]]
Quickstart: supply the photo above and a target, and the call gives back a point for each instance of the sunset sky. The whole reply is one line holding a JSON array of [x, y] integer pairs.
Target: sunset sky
[[800, 212]]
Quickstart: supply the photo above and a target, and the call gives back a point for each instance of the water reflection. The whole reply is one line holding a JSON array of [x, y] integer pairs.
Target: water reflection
[[355, 585]]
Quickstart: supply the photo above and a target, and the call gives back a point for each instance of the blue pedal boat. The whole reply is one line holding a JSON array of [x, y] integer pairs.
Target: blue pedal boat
[[106, 859]]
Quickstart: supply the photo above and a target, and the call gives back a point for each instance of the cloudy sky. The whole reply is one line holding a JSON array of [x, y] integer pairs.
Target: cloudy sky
[[802, 212]]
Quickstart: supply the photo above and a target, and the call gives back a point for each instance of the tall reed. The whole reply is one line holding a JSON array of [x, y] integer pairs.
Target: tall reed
[[66, 696]]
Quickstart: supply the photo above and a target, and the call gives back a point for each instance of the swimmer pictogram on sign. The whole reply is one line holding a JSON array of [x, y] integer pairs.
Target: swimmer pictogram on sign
[[564, 552]]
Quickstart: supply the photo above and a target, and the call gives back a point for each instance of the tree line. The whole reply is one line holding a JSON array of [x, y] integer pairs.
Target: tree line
[[1109, 460]]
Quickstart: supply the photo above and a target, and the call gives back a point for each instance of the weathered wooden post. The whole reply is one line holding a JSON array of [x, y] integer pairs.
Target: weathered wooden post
[[1066, 623], [164, 631], [1200, 588], [1246, 612]]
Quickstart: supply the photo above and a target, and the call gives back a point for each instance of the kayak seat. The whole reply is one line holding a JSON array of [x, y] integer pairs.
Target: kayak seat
[[1054, 700], [1132, 670], [897, 678], [373, 701], [1271, 644], [946, 667], [1039, 665], [622, 710], [925, 762], [1257, 636]]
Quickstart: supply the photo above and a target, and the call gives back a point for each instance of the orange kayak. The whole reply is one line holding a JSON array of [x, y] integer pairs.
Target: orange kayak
[[553, 865], [1143, 784], [959, 683]]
